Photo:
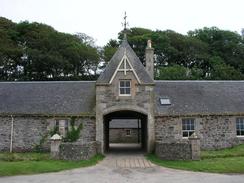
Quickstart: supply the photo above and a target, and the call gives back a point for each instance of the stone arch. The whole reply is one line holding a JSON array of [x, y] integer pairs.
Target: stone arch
[[124, 113], [124, 108]]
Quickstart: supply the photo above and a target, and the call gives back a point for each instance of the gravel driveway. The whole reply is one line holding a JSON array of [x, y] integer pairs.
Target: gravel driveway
[[109, 170]]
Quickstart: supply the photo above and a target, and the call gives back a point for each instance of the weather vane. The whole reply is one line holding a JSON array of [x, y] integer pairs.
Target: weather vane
[[125, 22]]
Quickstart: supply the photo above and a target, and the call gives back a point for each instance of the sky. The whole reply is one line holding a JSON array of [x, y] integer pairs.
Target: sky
[[101, 19]]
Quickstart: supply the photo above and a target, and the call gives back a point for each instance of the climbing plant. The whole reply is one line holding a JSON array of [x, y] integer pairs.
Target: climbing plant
[[73, 133], [39, 147]]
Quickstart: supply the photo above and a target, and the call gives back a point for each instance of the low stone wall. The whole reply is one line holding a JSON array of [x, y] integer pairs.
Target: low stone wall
[[188, 150], [173, 151], [77, 151]]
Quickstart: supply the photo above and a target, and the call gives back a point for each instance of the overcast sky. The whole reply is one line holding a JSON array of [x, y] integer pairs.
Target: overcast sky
[[102, 19]]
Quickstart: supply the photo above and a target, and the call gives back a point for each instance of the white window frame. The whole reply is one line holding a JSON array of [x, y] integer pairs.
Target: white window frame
[[241, 121], [124, 87], [188, 131]]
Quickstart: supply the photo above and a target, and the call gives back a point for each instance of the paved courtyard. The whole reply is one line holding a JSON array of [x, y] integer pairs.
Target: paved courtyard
[[118, 168]]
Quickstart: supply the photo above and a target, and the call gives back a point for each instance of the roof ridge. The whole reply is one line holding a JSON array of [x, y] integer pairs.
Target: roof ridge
[[48, 82], [198, 81]]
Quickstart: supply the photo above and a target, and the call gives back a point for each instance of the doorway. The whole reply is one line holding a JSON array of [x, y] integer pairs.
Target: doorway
[[125, 132]]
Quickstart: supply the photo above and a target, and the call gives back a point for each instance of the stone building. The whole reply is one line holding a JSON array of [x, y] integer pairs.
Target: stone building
[[168, 111], [125, 131]]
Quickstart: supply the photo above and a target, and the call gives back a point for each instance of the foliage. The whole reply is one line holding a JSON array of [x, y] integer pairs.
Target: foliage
[[33, 163], [39, 147], [177, 72], [35, 51], [54, 131], [220, 70], [230, 160], [192, 53], [109, 49], [74, 133]]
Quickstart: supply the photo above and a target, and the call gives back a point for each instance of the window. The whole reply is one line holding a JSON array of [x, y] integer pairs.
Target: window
[[128, 132], [188, 127], [240, 127], [124, 87], [164, 101], [62, 126]]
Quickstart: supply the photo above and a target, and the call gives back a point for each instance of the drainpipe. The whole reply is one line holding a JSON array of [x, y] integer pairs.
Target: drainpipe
[[11, 135]]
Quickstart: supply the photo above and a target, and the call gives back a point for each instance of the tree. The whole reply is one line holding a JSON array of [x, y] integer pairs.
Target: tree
[[109, 49], [221, 71], [177, 72], [227, 45], [34, 51], [9, 51]]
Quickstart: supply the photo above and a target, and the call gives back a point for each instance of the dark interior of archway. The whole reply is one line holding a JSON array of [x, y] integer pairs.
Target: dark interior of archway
[[125, 147]]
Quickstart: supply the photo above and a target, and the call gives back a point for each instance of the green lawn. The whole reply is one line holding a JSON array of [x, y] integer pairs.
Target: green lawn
[[229, 160], [31, 163]]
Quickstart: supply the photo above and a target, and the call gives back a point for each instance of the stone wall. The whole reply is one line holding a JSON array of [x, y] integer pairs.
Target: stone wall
[[187, 150], [88, 132], [141, 100], [77, 151], [29, 131], [215, 132], [118, 135], [173, 151]]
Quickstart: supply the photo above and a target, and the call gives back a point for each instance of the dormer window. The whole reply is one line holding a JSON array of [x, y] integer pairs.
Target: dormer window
[[125, 87]]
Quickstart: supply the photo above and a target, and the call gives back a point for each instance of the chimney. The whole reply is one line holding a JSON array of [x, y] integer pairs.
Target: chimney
[[149, 59]]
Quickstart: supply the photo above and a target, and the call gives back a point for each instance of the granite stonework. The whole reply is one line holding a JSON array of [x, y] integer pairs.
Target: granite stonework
[[215, 132], [119, 135], [77, 151], [88, 131], [173, 151], [141, 100], [185, 150], [29, 131]]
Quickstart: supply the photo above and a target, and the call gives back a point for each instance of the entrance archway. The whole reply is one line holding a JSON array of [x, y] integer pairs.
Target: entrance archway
[[119, 125]]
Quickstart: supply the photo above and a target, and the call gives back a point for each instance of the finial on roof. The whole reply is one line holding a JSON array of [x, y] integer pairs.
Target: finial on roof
[[125, 24], [149, 43]]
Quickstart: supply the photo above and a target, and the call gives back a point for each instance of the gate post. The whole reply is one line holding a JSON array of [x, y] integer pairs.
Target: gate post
[[55, 143], [195, 147]]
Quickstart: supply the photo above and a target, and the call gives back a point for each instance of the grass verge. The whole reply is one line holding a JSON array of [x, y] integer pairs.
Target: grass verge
[[32, 163], [229, 160]]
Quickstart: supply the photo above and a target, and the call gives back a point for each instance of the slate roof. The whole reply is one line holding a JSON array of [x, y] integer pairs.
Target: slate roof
[[128, 123], [134, 60], [200, 97], [64, 97], [78, 97]]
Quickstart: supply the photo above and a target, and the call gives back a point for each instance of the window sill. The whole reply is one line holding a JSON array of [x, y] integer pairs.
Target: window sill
[[241, 137], [124, 95]]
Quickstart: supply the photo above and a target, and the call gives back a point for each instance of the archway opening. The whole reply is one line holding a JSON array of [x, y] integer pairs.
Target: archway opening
[[125, 132]]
